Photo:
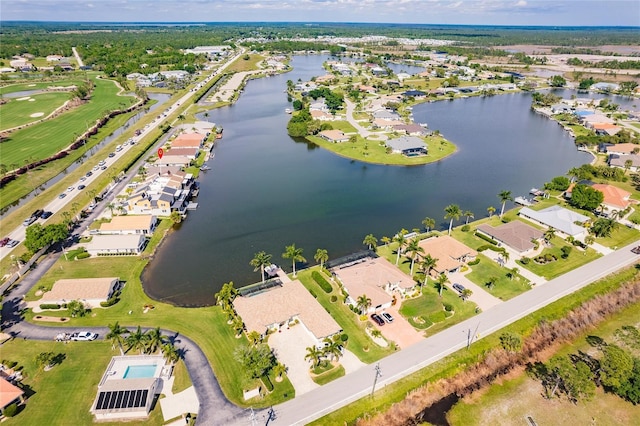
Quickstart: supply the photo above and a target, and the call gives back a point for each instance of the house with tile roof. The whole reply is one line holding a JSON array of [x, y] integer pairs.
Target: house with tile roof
[[334, 136], [615, 199], [129, 224], [9, 394], [622, 148], [90, 291], [516, 234], [450, 253]]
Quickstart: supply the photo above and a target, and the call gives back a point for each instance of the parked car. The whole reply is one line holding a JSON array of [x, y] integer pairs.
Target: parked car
[[84, 336], [636, 250], [377, 319], [112, 154], [28, 221], [89, 173], [37, 213], [458, 287], [61, 196], [45, 215], [13, 243], [387, 317], [102, 163], [81, 187], [4, 241], [69, 189]]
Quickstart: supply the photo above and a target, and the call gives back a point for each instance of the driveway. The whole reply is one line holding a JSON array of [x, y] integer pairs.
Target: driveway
[[290, 346], [399, 331], [480, 296]]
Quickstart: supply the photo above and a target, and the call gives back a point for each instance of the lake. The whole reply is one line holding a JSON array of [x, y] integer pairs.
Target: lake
[[267, 190]]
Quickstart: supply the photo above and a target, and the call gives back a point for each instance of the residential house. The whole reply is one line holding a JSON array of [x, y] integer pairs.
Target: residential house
[[620, 161], [605, 87], [407, 145], [386, 124], [558, 218], [411, 129], [90, 291], [623, 148], [190, 152], [9, 394], [589, 120], [605, 129], [418, 94], [53, 58], [334, 136], [160, 195], [318, 105], [129, 224], [283, 304], [188, 140], [103, 245], [560, 108], [321, 115], [174, 160], [451, 254], [615, 199], [516, 234]]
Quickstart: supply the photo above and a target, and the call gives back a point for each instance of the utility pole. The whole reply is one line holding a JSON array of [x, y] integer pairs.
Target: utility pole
[[271, 415], [252, 417], [375, 378]]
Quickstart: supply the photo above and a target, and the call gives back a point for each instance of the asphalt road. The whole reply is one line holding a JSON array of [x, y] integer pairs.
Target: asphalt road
[[349, 388]]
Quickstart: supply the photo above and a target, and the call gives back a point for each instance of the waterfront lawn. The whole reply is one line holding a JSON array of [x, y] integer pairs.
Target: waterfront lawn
[[560, 266], [374, 151], [620, 237], [344, 126], [429, 307], [242, 64], [64, 395], [47, 138], [348, 320], [497, 402], [504, 288], [459, 360], [16, 113]]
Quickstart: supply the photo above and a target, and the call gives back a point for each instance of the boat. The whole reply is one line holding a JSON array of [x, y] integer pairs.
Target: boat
[[288, 111], [204, 168]]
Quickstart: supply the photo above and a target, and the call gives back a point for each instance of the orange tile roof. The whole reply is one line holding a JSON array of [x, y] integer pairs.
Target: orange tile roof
[[447, 250], [613, 195], [603, 126], [8, 393]]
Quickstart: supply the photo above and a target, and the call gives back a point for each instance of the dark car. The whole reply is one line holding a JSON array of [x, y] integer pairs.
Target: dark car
[[37, 213], [458, 287], [45, 215], [636, 250], [377, 319], [81, 187], [89, 173], [62, 195], [112, 154]]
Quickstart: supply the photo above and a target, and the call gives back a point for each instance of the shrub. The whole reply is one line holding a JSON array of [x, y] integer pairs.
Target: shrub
[[10, 410], [49, 306], [267, 383], [465, 228], [486, 238], [334, 298], [525, 260], [82, 255], [448, 307], [322, 282], [505, 219], [112, 301], [344, 337], [474, 262]]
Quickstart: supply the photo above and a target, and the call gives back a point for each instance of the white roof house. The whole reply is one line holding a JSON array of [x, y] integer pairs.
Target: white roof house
[[559, 218], [116, 244]]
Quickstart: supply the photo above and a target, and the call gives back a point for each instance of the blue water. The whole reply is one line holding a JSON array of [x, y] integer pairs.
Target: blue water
[[140, 371]]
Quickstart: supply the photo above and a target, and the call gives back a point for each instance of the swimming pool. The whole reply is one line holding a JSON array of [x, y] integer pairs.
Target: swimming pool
[[140, 371]]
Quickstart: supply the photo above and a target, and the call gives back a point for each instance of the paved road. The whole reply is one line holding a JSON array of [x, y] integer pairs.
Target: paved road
[[347, 389]]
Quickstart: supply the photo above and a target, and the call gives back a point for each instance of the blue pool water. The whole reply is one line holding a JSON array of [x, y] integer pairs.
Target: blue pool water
[[139, 371]]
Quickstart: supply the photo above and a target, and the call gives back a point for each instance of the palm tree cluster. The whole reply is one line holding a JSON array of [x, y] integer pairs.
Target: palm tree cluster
[[225, 298], [146, 342], [332, 350]]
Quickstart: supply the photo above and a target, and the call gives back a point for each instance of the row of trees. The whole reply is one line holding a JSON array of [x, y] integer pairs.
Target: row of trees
[[149, 342], [262, 259]]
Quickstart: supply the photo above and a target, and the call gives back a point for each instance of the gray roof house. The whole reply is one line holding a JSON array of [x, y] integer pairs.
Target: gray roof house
[[558, 218], [407, 145], [116, 244], [515, 234]]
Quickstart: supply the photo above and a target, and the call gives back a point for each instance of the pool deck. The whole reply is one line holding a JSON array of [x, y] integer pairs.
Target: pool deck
[[119, 364]]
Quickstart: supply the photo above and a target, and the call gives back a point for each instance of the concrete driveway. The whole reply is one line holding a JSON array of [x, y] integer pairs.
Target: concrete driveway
[[290, 346], [399, 331], [480, 296]]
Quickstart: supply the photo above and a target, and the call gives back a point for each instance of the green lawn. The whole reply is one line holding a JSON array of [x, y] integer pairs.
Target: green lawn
[[620, 237], [241, 64], [64, 395], [374, 151], [504, 288], [329, 376], [560, 266], [16, 113], [344, 126], [21, 87], [47, 138], [349, 321]]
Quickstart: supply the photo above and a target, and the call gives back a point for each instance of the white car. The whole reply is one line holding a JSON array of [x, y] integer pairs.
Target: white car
[[84, 336]]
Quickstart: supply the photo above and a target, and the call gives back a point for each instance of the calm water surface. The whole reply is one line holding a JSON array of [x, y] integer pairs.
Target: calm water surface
[[266, 190]]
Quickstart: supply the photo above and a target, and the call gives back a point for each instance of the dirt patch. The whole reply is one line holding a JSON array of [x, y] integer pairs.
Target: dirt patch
[[50, 319], [36, 114]]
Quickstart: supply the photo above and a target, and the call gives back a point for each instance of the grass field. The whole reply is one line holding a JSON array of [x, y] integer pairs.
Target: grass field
[[47, 138], [504, 288], [497, 405], [18, 112], [560, 266], [21, 87], [242, 64]]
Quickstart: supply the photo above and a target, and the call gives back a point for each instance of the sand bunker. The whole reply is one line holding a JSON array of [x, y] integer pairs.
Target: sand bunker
[[32, 85], [37, 114], [23, 99], [32, 100]]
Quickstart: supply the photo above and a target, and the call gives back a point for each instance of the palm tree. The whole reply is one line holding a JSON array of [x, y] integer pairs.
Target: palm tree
[[363, 303], [468, 214], [401, 240], [427, 264], [504, 197], [440, 283], [170, 353], [259, 261], [491, 210], [332, 348], [225, 296], [206, 115], [238, 325], [279, 369], [452, 212], [321, 256], [491, 282], [370, 241], [413, 249], [385, 240], [254, 337], [512, 273], [549, 234], [155, 340], [314, 355], [295, 254], [137, 340], [466, 293], [428, 223], [116, 336], [589, 239]]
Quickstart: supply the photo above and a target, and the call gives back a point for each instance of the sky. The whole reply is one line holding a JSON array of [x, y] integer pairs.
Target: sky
[[463, 12]]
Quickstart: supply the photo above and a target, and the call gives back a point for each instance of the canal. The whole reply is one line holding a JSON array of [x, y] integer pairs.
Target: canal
[[267, 190]]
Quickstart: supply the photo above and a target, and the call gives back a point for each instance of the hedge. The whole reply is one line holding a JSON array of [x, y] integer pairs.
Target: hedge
[[83, 255], [486, 238], [10, 410], [323, 283], [448, 307], [474, 262], [49, 306], [267, 383]]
